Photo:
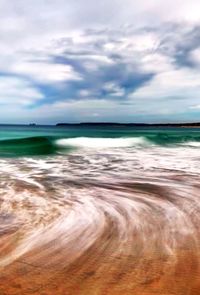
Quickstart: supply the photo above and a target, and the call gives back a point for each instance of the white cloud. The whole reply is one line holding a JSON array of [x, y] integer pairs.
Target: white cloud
[[46, 72], [195, 107], [195, 56], [17, 91], [171, 83]]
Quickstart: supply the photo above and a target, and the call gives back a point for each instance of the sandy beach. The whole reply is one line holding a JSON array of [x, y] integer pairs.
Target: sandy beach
[[114, 237]]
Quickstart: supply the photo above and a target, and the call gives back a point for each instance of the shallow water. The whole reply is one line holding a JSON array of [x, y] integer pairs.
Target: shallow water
[[103, 212]]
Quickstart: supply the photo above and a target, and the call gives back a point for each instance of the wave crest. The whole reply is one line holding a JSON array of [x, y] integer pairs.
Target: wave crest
[[89, 142]]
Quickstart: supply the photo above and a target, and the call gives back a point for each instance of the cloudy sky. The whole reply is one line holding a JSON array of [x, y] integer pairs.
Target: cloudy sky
[[111, 60]]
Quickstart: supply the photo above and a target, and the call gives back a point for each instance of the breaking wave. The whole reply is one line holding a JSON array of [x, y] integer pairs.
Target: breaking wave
[[41, 145], [89, 142]]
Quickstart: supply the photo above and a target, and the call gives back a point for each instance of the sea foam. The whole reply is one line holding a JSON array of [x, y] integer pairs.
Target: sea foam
[[89, 142]]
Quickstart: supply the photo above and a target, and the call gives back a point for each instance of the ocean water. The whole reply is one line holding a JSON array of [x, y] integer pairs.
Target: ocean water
[[109, 202], [16, 141]]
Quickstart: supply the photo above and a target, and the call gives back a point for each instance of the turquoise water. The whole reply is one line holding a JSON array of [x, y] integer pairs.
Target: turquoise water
[[46, 140]]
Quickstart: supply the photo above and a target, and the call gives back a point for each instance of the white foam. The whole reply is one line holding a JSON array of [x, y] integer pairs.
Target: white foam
[[192, 143], [89, 142]]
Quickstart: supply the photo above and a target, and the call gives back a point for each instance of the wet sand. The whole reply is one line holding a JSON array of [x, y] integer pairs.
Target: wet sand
[[109, 263], [94, 232], [99, 271]]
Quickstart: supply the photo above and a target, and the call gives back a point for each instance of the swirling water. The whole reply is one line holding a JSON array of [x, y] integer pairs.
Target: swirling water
[[99, 211]]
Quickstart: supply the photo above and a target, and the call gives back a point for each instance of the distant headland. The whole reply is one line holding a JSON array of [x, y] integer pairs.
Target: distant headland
[[113, 124]]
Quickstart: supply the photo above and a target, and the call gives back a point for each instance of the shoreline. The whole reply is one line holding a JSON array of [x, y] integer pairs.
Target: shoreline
[[101, 222]]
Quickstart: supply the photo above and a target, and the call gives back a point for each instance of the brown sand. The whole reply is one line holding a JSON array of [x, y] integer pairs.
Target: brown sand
[[100, 272]]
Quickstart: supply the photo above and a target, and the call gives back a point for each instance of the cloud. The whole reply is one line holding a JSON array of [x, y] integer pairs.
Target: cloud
[[45, 72], [116, 59], [195, 107], [180, 82], [15, 91]]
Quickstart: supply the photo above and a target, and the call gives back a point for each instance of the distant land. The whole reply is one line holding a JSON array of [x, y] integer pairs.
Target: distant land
[[111, 124], [104, 124]]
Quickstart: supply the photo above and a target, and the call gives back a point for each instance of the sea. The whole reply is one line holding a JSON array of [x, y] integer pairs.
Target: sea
[[100, 208]]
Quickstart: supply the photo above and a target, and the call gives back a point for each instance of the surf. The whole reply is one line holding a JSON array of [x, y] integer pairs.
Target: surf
[[99, 143], [52, 145]]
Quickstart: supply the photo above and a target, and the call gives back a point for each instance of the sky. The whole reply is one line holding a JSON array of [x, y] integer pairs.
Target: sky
[[90, 61]]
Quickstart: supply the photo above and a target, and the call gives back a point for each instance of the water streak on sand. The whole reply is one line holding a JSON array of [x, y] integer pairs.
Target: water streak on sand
[[103, 215]]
